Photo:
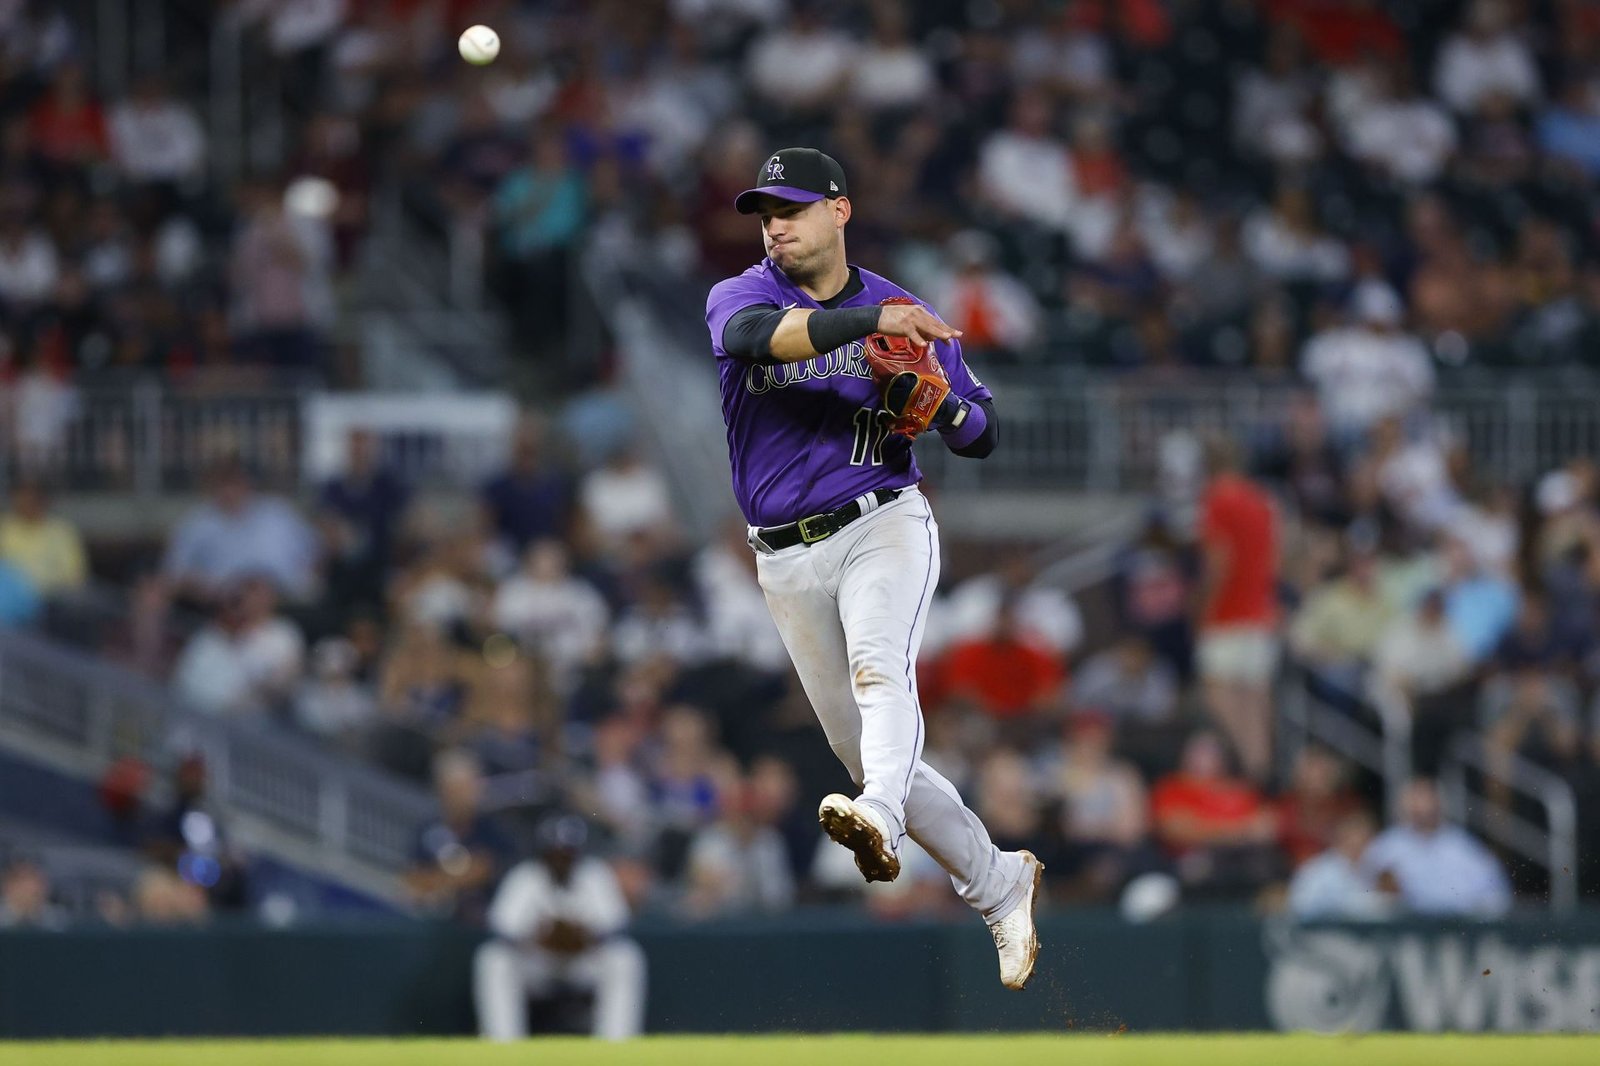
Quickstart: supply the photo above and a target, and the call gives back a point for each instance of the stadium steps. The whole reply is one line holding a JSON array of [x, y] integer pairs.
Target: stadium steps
[[285, 797]]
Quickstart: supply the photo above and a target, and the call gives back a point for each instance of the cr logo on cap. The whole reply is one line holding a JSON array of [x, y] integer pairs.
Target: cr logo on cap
[[775, 169]]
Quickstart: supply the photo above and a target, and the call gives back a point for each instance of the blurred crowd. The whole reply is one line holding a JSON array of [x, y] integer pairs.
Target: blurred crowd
[[125, 255], [1155, 185], [559, 645], [1348, 199]]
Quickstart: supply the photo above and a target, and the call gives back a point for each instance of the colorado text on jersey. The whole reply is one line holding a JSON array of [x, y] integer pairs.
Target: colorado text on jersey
[[850, 359]]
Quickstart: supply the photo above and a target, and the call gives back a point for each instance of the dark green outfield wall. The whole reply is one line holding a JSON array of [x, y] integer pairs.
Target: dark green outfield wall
[[828, 971]]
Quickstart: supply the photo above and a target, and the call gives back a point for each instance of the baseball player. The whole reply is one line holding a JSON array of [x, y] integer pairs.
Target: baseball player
[[559, 920], [828, 373]]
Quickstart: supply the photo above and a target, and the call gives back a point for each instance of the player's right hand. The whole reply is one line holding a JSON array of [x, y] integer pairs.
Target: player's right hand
[[914, 322]]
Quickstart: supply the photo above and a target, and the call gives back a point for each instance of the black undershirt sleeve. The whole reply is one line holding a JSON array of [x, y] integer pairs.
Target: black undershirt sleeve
[[748, 334], [985, 442]]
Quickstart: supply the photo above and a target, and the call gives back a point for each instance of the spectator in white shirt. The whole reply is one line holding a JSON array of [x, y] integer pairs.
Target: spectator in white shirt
[[1128, 682], [737, 620], [625, 497], [1286, 242], [35, 34], [247, 661], [1414, 475], [333, 703], [281, 272], [559, 919], [29, 269], [660, 623], [1332, 886], [891, 72], [1177, 232], [1418, 654], [41, 407], [1025, 171], [155, 137], [619, 793], [1068, 56], [1434, 868], [1369, 369], [295, 25], [1486, 59], [738, 864], [236, 534], [1271, 114], [1403, 132], [803, 66], [552, 612], [725, 21], [1044, 616]]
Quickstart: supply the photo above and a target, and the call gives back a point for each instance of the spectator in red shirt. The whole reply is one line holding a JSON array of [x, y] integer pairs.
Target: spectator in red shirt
[[1096, 165], [1319, 798], [1339, 32], [1237, 650], [1003, 674], [1217, 827], [67, 126]]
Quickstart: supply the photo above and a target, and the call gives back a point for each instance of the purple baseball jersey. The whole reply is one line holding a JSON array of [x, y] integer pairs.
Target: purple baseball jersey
[[808, 437]]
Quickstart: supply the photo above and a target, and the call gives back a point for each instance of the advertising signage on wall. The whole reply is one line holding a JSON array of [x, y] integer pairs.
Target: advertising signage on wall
[[1485, 980]]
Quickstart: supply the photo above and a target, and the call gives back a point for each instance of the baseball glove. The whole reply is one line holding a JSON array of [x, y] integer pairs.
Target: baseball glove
[[911, 379]]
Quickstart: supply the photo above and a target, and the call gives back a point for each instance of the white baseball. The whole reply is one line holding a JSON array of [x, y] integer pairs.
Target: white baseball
[[479, 45]]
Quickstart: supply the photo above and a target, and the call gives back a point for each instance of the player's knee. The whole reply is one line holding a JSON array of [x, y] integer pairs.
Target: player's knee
[[623, 959], [494, 960], [873, 668]]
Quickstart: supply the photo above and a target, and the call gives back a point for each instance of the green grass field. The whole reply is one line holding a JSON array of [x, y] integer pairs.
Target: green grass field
[[1066, 1050]]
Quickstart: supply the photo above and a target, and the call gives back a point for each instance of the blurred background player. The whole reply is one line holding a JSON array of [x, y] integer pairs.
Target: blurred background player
[[557, 923]]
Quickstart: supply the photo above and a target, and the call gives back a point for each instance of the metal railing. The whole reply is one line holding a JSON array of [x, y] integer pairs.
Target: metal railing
[[1064, 427], [1304, 718], [282, 794], [1092, 435], [152, 440], [1108, 434], [1553, 846], [1379, 743], [1382, 745]]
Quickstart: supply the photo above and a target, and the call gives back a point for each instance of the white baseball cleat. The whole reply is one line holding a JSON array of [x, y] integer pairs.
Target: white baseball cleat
[[863, 830], [1015, 937]]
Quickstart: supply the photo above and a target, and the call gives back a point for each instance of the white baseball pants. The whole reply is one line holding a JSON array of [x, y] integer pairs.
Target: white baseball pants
[[505, 976], [851, 610]]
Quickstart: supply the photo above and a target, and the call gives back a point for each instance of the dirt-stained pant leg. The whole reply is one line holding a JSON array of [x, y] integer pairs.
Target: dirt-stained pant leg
[[851, 611]]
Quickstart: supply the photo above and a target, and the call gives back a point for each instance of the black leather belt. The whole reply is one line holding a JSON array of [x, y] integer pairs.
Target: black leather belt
[[817, 527]]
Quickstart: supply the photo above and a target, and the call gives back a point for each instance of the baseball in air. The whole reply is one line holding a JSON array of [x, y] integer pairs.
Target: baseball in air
[[479, 45]]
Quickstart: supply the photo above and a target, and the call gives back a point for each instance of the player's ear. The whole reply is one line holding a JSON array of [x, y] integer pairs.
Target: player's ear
[[841, 210]]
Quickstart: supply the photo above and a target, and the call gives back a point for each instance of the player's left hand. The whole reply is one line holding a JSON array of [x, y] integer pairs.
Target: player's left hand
[[915, 387]]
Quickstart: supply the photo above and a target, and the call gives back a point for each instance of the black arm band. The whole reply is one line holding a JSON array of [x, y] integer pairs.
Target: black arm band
[[828, 330], [748, 334], [985, 442]]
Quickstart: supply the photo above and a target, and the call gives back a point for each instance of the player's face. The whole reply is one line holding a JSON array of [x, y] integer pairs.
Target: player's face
[[801, 238]]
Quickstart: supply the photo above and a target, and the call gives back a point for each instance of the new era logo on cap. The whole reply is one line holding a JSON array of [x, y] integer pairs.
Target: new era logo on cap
[[799, 175]]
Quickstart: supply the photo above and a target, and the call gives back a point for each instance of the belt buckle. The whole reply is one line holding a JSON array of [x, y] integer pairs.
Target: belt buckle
[[806, 535]]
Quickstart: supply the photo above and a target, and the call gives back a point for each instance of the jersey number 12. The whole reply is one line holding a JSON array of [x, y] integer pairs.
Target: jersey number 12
[[872, 428]]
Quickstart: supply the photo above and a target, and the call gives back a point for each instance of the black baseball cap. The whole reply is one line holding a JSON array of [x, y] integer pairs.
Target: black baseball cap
[[801, 175]]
